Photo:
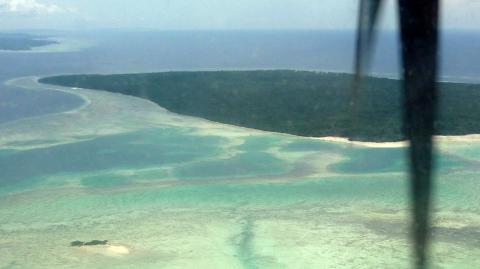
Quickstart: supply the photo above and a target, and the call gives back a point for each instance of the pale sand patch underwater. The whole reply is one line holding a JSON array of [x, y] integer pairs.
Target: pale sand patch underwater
[[106, 250]]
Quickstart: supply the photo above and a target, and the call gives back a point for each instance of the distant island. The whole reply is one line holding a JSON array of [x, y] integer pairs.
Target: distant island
[[20, 42], [295, 102]]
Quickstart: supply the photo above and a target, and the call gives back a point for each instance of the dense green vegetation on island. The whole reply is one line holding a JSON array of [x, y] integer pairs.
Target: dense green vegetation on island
[[13, 41], [295, 102]]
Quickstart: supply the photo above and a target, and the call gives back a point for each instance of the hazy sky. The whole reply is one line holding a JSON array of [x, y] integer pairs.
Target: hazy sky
[[209, 14]]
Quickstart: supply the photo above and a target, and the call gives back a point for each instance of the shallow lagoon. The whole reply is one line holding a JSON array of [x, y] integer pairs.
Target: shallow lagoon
[[181, 192]]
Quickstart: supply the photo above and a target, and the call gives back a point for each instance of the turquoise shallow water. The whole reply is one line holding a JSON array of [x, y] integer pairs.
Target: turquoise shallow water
[[178, 192]]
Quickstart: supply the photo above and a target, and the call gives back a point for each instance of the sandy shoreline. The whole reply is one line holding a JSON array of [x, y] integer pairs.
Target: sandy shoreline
[[399, 144]]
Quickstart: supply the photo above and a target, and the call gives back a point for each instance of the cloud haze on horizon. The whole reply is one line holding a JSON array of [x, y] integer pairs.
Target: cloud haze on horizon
[[209, 14]]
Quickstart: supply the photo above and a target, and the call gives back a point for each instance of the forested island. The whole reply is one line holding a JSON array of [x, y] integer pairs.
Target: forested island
[[19, 42], [296, 102]]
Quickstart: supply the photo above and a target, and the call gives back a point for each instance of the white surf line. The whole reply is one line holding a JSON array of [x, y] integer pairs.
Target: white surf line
[[37, 86], [72, 90]]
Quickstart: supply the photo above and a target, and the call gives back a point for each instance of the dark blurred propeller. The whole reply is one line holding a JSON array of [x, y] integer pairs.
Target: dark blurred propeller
[[419, 48]]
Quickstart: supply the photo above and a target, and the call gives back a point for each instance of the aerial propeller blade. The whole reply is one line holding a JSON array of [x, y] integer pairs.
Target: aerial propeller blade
[[366, 29], [419, 46]]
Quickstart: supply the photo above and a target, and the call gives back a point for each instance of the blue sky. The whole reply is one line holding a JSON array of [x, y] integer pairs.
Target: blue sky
[[209, 14]]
